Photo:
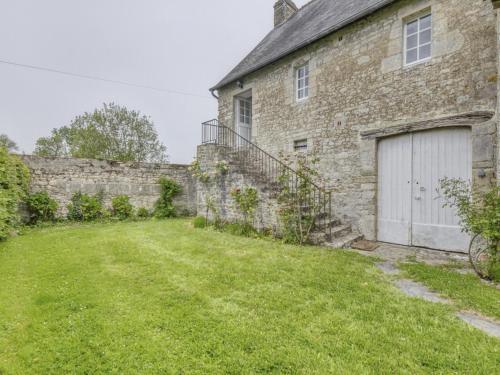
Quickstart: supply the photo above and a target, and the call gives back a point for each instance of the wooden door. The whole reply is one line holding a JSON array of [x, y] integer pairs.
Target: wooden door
[[411, 208], [438, 154], [394, 190]]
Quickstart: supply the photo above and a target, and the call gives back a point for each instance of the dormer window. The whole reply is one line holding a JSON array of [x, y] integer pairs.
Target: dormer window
[[302, 82], [418, 39]]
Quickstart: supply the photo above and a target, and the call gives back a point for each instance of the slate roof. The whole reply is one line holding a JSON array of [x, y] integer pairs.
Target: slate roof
[[312, 22]]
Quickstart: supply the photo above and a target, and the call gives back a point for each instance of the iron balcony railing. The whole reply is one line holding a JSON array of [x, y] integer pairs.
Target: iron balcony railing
[[259, 161]]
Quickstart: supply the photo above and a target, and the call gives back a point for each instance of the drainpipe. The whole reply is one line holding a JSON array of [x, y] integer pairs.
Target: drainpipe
[[213, 94], [496, 7]]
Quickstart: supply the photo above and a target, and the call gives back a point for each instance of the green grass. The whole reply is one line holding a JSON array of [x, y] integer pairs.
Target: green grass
[[467, 291], [161, 297]]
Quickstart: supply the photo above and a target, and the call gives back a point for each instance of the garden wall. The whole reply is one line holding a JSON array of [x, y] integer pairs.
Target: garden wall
[[62, 177]]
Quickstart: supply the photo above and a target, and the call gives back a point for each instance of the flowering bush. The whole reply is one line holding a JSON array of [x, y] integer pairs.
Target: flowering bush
[[196, 171], [222, 166]]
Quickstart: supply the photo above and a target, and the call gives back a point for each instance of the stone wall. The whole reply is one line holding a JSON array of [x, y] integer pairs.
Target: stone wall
[[62, 177], [358, 83], [220, 185]]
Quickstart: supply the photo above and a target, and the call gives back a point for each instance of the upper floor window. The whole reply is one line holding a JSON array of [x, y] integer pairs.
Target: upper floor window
[[302, 82], [418, 39]]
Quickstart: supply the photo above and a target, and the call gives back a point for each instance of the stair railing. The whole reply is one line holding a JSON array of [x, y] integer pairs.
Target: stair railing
[[253, 156]]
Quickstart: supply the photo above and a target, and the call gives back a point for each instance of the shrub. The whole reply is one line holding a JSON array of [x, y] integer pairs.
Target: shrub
[[41, 207], [241, 229], [122, 208], [246, 201], [143, 213], [200, 222], [84, 207], [14, 184], [164, 206], [479, 214]]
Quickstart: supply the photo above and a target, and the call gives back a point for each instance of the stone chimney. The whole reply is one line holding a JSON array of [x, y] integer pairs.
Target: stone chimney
[[283, 10]]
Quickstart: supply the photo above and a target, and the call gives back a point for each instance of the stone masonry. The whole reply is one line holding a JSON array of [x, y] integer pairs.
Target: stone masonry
[[62, 177], [360, 91], [220, 185]]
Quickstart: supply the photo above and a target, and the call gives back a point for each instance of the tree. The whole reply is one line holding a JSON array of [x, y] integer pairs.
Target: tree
[[112, 132], [55, 145], [7, 143]]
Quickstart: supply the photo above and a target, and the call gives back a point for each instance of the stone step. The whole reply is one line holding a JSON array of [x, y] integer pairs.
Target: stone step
[[322, 222], [322, 235], [340, 231], [344, 242], [319, 238]]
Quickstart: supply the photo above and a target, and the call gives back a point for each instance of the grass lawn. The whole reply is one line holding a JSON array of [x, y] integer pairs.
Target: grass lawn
[[161, 297], [467, 291]]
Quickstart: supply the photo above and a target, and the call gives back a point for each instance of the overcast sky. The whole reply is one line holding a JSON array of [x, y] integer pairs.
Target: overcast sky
[[172, 44]]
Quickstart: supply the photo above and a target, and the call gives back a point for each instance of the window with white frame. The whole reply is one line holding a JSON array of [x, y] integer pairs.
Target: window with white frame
[[302, 82], [418, 39], [245, 107]]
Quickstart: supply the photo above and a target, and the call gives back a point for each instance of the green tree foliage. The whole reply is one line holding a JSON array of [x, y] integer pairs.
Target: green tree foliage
[[8, 143], [41, 207], [84, 207], [164, 206], [111, 132], [54, 146], [14, 185], [122, 208]]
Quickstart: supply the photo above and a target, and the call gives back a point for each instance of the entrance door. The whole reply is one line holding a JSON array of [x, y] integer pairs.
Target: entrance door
[[244, 117], [411, 208]]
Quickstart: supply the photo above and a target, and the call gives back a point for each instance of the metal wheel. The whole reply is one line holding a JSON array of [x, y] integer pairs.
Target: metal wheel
[[479, 255]]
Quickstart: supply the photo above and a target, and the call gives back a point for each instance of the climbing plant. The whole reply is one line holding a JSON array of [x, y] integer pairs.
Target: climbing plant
[[222, 166], [297, 206], [198, 173], [246, 201], [164, 207]]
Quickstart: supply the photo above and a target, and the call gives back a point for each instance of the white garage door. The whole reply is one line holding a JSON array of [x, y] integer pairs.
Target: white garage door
[[410, 206]]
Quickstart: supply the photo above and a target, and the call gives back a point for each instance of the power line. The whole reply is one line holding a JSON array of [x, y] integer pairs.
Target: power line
[[93, 78]]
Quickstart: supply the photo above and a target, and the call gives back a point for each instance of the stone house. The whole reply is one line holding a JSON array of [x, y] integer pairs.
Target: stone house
[[392, 95]]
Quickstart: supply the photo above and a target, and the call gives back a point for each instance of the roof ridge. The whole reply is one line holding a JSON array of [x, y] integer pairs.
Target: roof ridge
[[302, 29]]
